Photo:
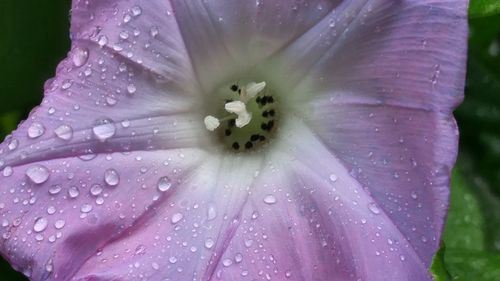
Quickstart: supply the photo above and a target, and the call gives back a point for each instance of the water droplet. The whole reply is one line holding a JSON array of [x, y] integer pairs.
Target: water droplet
[[177, 217], [7, 171], [131, 89], [164, 184], [154, 31], [111, 177], [238, 258], [227, 262], [59, 224], [64, 132], [414, 195], [374, 208], [102, 41], [80, 56], [51, 210], [270, 199], [40, 224], [55, 189], [66, 84], [172, 259], [333, 178], [86, 208], [136, 11], [104, 129], [13, 144], [37, 174], [73, 192], [124, 34], [125, 123], [96, 189], [35, 130], [209, 243], [211, 212]]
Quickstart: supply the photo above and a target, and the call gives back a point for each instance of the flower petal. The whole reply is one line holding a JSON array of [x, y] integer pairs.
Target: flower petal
[[233, 36], [107, 104], [186, 234], [303, 223], [381, 88], [144, 32], [58, 213], [393, 52]]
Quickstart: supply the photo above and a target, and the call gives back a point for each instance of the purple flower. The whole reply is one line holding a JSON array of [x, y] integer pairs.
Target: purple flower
[[239, 140]]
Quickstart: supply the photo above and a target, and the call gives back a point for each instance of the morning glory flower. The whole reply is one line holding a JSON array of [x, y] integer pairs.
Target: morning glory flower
[[239, 140]]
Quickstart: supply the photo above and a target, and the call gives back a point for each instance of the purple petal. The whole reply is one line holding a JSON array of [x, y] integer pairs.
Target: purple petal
[[361, 194], [184, 236], [235, 36], [382, 90], [59, 213]]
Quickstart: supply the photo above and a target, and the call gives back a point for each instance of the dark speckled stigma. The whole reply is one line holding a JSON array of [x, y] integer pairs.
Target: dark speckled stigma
[[249, 116]]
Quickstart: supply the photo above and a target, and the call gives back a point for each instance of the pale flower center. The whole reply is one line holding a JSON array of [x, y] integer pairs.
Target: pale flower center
[[246, 117]]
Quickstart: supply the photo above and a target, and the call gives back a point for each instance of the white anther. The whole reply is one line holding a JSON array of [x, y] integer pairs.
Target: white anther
[[236, 107], [243, 119], [239, 108], [211, 123], [251, 90]]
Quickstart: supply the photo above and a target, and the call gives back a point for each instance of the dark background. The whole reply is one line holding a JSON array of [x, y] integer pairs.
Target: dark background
[[34, 37]]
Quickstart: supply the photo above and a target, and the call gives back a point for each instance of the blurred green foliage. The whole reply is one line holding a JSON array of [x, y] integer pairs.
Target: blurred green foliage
[[482, 8], [472, 233]]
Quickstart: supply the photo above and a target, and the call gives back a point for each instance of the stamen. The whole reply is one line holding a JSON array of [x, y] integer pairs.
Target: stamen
[[251, 90], [247, 116], [211, 123], [236, 107], [243, 119]]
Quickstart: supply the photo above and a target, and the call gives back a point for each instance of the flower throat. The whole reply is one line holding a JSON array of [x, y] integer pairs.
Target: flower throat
[[247, 116]]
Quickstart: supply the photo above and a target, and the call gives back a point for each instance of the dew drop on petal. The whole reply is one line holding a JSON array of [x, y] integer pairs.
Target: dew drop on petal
[[333, 178], [270, 199], [102, 40], [211, 212], [154, 31], [73, 192], [209, 243], [177, 217], [59, 224], [35, 130], [96, 189], [64, 132], [37, 174], [79, 56], [374, 208], [7, 171], [227, 262], [86, 208], [40, 224], [136, 11], [111, 177], [13, 144], [414, 195], [55, 189], [104, 129], [131, 89], [164, 184]]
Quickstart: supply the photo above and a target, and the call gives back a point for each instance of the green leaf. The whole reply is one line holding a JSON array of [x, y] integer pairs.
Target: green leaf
[[465, 224], [471, 234], [481, 8], [438, 267], [465, 265]]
